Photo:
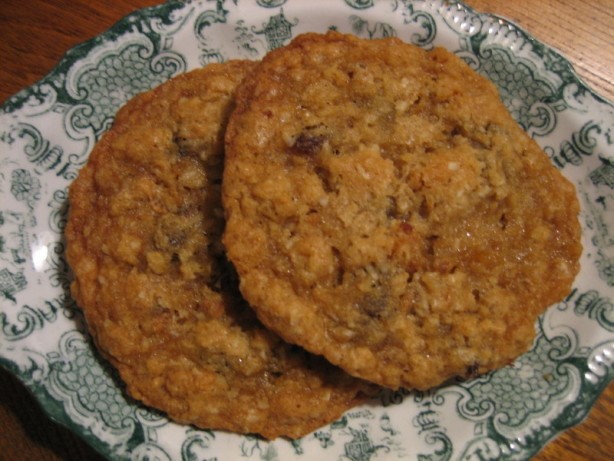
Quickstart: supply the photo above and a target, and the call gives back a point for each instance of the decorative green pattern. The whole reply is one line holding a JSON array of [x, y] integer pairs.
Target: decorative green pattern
[[524, 389], [92, 389], [362, 27], [25, 187], [596, 308], [360, 4], [48, 130], [518, 87], [204, 20], [114, 80], [427, 31], [277, 31]]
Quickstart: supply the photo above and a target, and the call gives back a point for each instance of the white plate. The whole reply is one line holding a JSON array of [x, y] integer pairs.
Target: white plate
[[48, 130]]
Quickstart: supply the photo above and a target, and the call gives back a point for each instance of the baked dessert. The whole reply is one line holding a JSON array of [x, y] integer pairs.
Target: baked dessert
[[385, 210], [159, 297]]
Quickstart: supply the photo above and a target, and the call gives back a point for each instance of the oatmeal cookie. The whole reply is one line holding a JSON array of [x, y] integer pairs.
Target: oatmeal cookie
[[160, 300], [385, 210]]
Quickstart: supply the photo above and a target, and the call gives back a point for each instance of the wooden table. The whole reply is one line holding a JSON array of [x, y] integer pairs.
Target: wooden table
[[35, 34]]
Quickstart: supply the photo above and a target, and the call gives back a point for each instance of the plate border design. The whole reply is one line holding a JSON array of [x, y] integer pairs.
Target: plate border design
[[78, 99]]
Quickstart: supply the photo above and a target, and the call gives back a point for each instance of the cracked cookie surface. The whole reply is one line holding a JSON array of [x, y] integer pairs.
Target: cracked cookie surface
[[384, 210], [158, 295]]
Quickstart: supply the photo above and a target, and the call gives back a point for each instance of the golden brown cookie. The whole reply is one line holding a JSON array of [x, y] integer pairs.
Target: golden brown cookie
[[384, 210], [159, 297]]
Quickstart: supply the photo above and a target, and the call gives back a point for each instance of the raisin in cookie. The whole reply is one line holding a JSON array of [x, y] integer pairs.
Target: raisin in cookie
[[159, 297], [384, 210]]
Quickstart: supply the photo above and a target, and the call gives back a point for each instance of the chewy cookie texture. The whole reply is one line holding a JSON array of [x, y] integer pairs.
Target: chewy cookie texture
[[385, 211], [380, 206], [161, 302]]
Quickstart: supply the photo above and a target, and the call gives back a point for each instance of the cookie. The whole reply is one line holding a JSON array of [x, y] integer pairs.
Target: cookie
[[160, 300], [385, 210]]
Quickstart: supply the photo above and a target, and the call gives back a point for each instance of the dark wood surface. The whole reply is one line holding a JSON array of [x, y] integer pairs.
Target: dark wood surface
[[34, 34]]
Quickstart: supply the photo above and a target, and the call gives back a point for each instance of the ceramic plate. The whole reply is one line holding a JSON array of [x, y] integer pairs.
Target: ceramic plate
[[47, 131]]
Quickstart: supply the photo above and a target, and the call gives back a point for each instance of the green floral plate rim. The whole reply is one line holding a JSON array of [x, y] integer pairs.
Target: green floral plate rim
[[48, 130]]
